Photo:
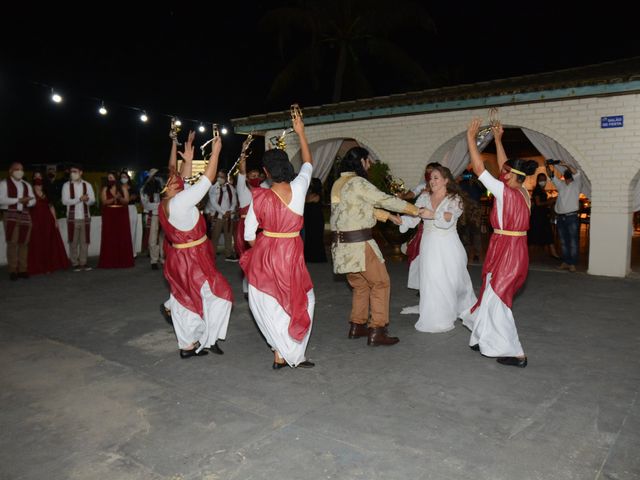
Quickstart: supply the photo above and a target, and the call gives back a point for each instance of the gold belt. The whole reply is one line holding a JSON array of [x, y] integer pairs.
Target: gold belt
[[280, 234], [510, 233], [190, 244]]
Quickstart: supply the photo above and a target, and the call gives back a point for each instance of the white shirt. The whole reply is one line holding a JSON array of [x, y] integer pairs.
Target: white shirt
[[496, 187], [299, 187], [6, 200], [150, 204], [243, 191], [77, 190], [183, 212], [226, 204], [568, 200]]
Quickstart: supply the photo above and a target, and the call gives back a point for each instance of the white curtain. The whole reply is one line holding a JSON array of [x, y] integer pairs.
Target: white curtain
[[550, 149], [457, 159], [324, 153]]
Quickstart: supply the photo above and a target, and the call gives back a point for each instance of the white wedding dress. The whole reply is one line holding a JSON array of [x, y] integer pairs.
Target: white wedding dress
[[445, 286]]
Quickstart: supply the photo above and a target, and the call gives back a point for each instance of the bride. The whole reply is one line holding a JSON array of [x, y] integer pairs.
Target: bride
[[445, 286]]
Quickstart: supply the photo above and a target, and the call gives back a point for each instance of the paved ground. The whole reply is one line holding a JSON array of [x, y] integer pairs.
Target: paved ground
[[92, 387]]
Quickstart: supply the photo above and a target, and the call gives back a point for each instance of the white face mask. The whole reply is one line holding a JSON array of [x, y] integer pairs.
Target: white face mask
[[124, 180], [542, 184], [17, 174], [75, 176], [221, 180]]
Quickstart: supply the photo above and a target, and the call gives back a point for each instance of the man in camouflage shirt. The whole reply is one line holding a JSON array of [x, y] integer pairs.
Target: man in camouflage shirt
[[353, 213]]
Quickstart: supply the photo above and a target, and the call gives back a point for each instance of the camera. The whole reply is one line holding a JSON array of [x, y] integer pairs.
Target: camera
[[467, 176], [551, 161]]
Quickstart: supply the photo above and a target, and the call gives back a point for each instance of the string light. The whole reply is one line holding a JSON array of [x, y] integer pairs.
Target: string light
[[178, 123], [143, 117], [55, 97], [102, 110], [201, 128], [224, 130]]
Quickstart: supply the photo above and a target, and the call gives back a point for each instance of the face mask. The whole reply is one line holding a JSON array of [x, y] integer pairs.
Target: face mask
[[124, 180], [255, 182], [221, 181], [18, 174], [37, 181], [75, 176], [111, 182], [51, 175], [542, 184]]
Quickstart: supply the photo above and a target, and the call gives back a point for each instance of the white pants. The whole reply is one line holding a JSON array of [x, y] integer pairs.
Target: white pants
[[133, 225], [273, 322], [191, 327], [155, 251]]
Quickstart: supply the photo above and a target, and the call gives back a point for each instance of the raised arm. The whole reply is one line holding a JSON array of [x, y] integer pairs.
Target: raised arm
[[474, 154], [211, 171], [305, 151], [173, 156], [186, 169], [497, 137]]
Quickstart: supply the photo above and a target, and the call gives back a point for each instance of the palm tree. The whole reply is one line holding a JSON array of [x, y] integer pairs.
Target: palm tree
[[346, 38]]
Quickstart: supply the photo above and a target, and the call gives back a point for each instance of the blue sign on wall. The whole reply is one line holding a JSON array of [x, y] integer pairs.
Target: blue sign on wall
[[614, 121]]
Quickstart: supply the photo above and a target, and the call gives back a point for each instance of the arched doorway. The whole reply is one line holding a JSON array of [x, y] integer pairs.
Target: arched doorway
[[635, 230], [525, 143]]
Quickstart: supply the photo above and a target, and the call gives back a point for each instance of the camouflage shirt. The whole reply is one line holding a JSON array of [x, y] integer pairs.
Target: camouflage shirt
[[353, 207]]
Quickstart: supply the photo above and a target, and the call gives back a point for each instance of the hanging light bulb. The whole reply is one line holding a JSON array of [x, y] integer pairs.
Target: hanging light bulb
[[102, 110], [224, 130], [178, 123], [201, 128], [55, 97], [143, 116]]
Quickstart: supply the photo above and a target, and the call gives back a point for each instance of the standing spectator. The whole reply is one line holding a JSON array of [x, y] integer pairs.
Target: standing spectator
[[567, 206], [314, 224], [469, 224], [540, 233], [221, 206], [46, 249], [77, 196], [115, 245], [16, 196], [125, 179], [52, 187], [150, 197]]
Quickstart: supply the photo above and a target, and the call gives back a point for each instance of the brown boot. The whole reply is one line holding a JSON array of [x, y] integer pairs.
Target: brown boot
[[358, 330], [378, 336]]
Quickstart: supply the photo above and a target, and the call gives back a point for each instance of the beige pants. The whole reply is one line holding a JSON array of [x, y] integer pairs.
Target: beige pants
[[218, 226], [17, 253], [78, 247], [155, 250], [371, 292]]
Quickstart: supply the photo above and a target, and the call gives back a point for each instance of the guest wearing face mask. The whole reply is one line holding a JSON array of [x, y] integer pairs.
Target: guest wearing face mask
[[46, 249], [222, 203], [540, 234], [16, 197], [52, 187], [78, 196], [115, 246], [125, 179]]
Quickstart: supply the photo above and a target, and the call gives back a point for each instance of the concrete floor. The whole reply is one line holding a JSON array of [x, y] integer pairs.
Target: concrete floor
[[92, 387]]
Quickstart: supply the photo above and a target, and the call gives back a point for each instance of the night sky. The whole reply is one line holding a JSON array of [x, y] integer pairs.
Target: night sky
[[213, 64]]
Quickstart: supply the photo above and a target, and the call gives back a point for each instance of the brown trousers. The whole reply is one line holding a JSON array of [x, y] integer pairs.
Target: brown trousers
[[78, 247], [371, 292], [17, 253], [218, 226]]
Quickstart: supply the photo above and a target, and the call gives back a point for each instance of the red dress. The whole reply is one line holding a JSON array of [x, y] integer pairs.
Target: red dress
[[46, 248], [507, 256], [116, 250], [186, 269], [239, 242], [275, 266]]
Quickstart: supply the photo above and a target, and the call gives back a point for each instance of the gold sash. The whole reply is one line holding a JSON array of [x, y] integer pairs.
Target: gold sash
[[195, 243], [510, 233], [280, 234]]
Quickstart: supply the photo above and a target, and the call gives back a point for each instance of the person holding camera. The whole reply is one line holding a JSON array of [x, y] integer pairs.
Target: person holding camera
[[566, 208]]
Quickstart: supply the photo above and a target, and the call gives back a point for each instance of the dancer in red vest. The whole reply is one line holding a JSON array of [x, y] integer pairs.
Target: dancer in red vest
[[201, 298], [280, 290], [247, 181], [493, 329], [16, 197], [46, 249]]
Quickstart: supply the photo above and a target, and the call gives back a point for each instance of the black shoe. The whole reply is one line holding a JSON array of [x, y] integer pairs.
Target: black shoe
[[192, 353], [475, 348], [513, 361], [216, 349], [24, 275], [166, 314], [13, 276], [154, 266], [306, 364], [278, 366], [246, 296]]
